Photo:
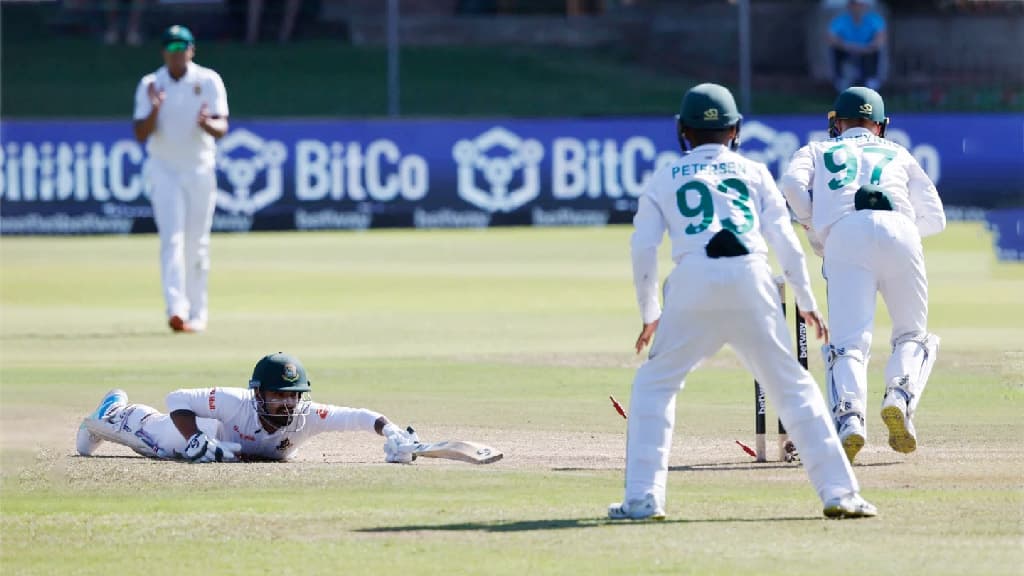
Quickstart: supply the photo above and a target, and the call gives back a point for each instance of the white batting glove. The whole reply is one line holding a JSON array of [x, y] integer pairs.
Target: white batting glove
[[398, 444], [201, 448]]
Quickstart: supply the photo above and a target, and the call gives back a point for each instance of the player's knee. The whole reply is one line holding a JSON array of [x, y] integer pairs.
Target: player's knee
[[918, 337], [836, 354]]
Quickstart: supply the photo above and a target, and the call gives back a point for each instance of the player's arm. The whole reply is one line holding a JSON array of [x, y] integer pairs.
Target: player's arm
[[778, 232], [187, 404], [184, 407], [930, 217], [398, 442], [796, 185], [213, 116], [648, 230], [148, 100]]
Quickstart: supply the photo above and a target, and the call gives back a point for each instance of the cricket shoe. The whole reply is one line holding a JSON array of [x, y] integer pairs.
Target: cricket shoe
[[849, 506], [645, 508], [902, 436], [86, 441], [851, 435]]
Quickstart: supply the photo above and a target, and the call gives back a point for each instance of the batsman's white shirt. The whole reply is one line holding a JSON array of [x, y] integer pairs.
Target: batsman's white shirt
[[836, 168], [235, 410], [178, 142]]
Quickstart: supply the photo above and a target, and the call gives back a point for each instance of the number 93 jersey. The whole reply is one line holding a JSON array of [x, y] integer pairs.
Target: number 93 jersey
[[828, 174], [709, 189]]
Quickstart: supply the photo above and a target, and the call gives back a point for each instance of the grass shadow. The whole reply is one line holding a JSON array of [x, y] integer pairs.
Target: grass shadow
[[565, 523], [86, 335], [728, 466]]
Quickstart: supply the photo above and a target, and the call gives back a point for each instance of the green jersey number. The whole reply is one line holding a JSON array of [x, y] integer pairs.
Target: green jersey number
[[849, 165], [705, 208], [887, 156]]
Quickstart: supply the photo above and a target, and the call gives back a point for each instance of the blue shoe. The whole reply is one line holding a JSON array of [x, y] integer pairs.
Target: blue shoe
[[86, 441]]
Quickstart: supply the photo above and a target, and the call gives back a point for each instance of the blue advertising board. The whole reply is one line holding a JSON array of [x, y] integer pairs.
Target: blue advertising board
[[84, 177]]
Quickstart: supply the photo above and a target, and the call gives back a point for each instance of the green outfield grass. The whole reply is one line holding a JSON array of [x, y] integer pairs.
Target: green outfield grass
[[514, 337]]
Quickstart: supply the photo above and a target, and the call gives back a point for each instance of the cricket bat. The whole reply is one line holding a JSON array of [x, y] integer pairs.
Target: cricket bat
[[472, 452]]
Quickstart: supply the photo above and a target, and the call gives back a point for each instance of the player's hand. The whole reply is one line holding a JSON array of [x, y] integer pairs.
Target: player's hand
[[156, 96], [398, 444], [645, 335], [814, 319], [204, 116], [201, 448]]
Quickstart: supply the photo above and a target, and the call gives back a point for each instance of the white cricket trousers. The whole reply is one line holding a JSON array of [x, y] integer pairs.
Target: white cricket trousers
[[183, 203], [150, 432], [871, 252], [709, 303]]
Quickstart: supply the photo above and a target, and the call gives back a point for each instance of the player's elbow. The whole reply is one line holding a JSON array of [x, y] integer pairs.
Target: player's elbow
[[790, 186], [933, 225]]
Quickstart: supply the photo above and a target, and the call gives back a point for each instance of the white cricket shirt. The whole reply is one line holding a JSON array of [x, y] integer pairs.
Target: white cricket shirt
[[235, 408], [836, 168], [709, 189], [178, 141]]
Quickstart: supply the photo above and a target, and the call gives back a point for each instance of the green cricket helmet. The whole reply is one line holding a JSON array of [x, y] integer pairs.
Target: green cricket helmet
[[709, 107], [858, 102], [279, 373]]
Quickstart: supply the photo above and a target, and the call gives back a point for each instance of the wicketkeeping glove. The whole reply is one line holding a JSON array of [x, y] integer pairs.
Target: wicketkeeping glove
[[202, 448], [398, 444]]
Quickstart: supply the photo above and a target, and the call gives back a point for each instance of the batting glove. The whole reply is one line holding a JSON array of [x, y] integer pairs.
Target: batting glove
[[201, 448], [398, 444]]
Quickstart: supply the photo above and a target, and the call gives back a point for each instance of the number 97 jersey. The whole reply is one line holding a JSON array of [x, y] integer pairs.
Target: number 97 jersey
[[710, 189], [835, 169]]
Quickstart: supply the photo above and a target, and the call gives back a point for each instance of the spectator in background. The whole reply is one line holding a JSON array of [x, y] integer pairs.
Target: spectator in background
[[132, 33], [857, 37]]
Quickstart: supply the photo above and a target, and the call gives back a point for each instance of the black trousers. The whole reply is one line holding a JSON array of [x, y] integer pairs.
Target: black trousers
[[865, 64]]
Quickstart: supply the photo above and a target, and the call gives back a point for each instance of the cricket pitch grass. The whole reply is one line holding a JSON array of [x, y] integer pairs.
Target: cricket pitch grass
[[514, 338]]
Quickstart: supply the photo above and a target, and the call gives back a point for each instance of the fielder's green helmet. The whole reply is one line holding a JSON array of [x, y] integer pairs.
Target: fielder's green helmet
[[860, 102], [280, 373], [709, 107]]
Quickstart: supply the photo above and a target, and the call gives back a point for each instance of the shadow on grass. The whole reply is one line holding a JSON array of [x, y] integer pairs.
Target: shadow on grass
[[566, 523], [112, 457], [87, 335], [727, 466]]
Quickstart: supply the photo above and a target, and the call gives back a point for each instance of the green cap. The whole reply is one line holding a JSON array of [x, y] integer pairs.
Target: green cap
[[860, 102], [709, 107], [281, 373], [177, 39]]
